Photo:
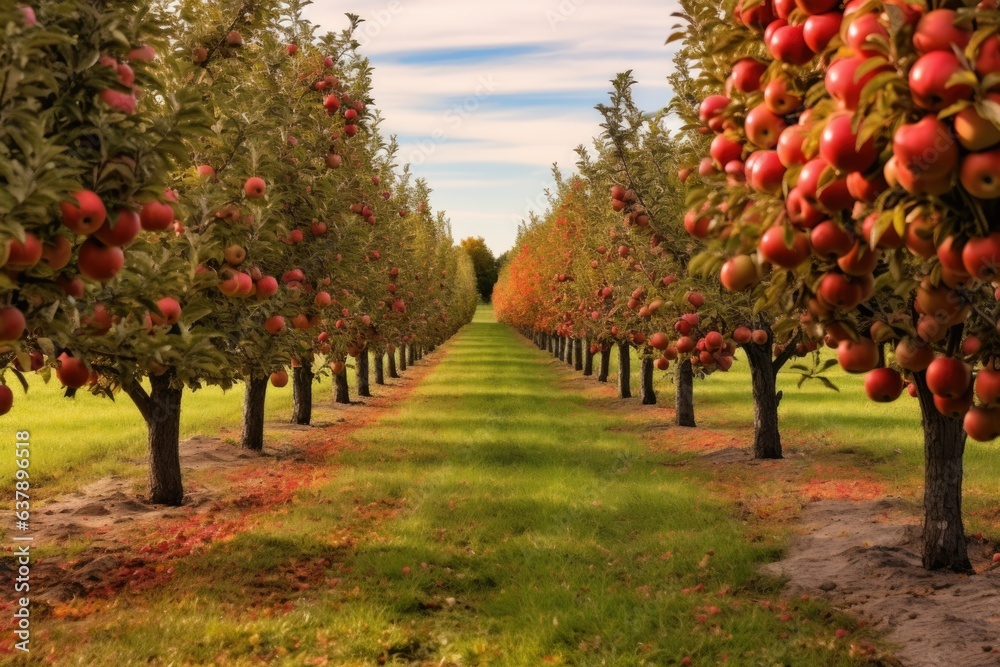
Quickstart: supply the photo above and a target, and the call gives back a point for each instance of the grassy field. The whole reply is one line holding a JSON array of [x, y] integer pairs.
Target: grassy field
[[492, 519]]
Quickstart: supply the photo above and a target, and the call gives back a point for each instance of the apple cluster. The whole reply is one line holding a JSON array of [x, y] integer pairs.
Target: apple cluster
[[858, 162]]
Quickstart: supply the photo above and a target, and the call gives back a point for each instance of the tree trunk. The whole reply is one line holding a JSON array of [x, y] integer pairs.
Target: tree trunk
[[402, 357], [684, 399], [364, 375], [380, 368], [624, 370], [944, 546], [562, 348], [391, 358], [161, 410], [588, 359], [605, 368], [570, 349], [763, 378], [578, 354], [413, 355], [302, 394], [646, 382], [254, 398], [550, 343], [342, 390]]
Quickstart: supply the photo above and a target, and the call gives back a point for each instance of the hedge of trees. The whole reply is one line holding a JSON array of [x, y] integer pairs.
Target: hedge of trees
[[200, 195]]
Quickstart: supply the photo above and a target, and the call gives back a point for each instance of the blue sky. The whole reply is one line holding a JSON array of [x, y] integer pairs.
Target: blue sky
[[485, 96]]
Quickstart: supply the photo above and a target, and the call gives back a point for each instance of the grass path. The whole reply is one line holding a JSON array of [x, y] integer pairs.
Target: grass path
[[492, 519]]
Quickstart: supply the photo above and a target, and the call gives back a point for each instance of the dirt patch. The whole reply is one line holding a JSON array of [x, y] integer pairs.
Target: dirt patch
[[864, 558]]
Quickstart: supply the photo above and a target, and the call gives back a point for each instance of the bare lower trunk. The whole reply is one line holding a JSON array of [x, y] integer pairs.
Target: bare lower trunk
[[342, 392], [254, 398], [578, 354], [624, 370], [945, 546], [588, 360], [302, 393], [602, 375], [391, 359], [763, 378], [380, 368], [402, 358], [562, 348], [684, 399], [646, 382], [413, 355], [551, 343], [364, 375], [570, 350], [161, 409]]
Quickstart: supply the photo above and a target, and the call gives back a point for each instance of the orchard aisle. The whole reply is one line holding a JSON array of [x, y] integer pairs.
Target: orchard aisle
[[492, 518]]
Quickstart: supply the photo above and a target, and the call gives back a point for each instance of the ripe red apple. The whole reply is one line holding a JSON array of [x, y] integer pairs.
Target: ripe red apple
[[322, 299], [843, 83], [955, 408], [255, 187], [696, 299], [820, 29], [788, 45], [864, 33], [142, 54], [844, 291], [983, 425], [292, 49], [988, 56], [98, 261], [266, 287], [739, 273], [724, 150], [274, 324], [949, 377], [760, 337], [786, 254], [710, 113], [234, 255], [72, 372], [127, 226], [987, 386], [205, 171], [919, 236], [767, 172], [838, 145], [830, 241], [12, 323], [832, 196], [57, 253], [318, 228], [937, 30], [884, 385], [87, 215], [981, 255], [763, 127], [118, 101], [779, 99], [199, 55], [859, 261], [866, 188], [234, 38], [293, 276], [747, 73], [170, 312], [980, 176], [930, 80], [914, 355], [857, 357], [975, 132], [279, 379], [155, 216], [802, 213]]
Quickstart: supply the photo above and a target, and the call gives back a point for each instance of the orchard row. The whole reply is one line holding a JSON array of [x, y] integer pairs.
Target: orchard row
[[201, 196], [834, 183]]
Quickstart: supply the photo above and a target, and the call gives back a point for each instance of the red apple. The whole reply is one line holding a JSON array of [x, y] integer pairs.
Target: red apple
[[266, 287], [12, 323], [884, 385], [763, 127], [930, 79], [739, 273], [859, 356], [72, 372], [274, 325], [6, 399], [87, 215], [255, 187], [170, 312], [949, 377], [937, 30], [842, 81], [914, 355], [830, 241], [980, 174], [127, 226], [155, 217], [747, 73], [981, 255], [788, 45], [57, 253], [838, 145], [820, 29], [983, 425], [787, 255], [100, 262]]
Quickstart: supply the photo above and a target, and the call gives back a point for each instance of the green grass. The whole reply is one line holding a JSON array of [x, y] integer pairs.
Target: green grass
[[492, 519]]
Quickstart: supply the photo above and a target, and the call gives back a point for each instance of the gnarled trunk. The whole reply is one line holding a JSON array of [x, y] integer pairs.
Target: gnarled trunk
[[588, 363], [161, 410], [646, 382], [254, 397], [342, 392], [684, 398], [380, 367], [302, 394], [624, 370], [364, 375], [763, 379], [944, 546], [602, 374], [391, 359]]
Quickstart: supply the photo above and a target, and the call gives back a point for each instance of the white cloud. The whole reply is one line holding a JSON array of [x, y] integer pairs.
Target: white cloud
[[485, 96]]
